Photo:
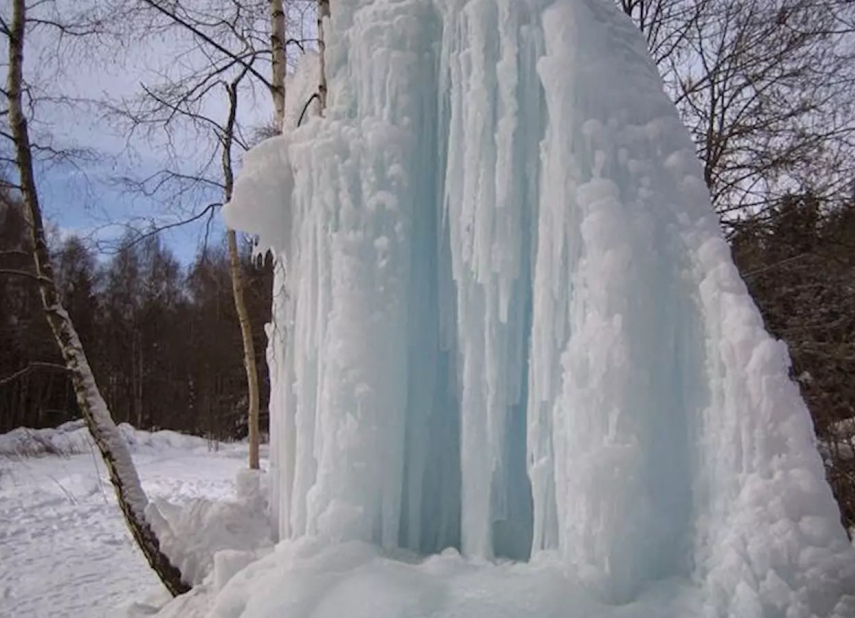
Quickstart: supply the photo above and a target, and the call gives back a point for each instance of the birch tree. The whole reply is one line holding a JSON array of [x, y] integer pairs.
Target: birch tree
[[227, 39], [123, 476], [278, 43], [238, 283], [230, 36]]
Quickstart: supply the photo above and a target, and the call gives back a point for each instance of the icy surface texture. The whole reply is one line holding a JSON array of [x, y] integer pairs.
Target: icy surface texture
[[506, 320], [307, 579], [356, 580]]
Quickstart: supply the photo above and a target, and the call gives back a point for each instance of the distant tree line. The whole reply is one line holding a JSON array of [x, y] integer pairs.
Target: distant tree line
[[163, 339], [798, 260]]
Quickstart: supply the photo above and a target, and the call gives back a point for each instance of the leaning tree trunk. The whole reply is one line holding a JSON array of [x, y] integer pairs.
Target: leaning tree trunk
[[129, 493]]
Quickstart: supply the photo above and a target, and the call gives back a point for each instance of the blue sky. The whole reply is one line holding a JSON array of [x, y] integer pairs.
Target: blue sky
[[86, 196]]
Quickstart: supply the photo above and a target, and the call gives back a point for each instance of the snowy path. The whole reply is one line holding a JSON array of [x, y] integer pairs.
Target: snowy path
[[64, 548]]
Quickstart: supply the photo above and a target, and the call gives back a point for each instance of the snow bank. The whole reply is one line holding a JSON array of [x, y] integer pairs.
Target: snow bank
[[73, 438], [164, 439], [191, 529], [69, 438], [65, 549], [194, 533], [510, 325]]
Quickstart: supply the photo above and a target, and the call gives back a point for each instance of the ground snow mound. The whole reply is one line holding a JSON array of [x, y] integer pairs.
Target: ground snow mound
[[194, 532], [73, 438], [309, 578], [65, 550]]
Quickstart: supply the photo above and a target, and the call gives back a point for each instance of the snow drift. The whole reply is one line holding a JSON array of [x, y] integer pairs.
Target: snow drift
[[506, 322], [73, 438], [65, 549], [194, 533]]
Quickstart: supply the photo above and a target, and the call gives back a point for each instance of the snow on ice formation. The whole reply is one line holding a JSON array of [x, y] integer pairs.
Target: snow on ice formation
[[506, 322]]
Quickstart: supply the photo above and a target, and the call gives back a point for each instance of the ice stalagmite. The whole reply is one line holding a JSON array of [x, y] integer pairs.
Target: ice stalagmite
[[506, 320]]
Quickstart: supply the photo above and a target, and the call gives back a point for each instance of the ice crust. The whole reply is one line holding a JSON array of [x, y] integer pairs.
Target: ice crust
[[505, 319]]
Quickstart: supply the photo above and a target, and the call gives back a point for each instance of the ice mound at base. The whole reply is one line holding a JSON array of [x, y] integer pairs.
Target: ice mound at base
[[358, 581], [505, 321]]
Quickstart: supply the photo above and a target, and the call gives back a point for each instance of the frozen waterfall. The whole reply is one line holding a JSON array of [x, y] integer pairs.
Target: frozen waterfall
[[506, 320]]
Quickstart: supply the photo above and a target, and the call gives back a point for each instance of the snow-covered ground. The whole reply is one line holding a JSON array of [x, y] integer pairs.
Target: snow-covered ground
[[64, 547]]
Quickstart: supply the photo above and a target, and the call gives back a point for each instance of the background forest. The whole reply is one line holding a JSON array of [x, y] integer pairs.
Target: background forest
[[163, 339]]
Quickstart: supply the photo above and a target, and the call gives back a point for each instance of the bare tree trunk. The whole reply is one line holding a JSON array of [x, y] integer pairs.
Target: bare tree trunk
[[137, 364], [323, 13], [129, 493], [277, 47], [248, 349], [237, 278]]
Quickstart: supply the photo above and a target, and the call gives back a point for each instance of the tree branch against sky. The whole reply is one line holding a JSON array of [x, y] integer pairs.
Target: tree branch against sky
[[224, 46], [765, 89], [188, 100]]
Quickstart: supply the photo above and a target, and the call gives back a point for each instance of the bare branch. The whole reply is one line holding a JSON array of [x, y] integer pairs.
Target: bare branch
[[30, 368], [22, 273], [197, 32], [315, 97], [209, 210]]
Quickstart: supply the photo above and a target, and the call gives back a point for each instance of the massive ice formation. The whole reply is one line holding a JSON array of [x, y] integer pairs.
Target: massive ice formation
[[506, 321]]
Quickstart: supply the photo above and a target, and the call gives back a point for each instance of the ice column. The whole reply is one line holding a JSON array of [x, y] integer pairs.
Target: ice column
[[506, 320]]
